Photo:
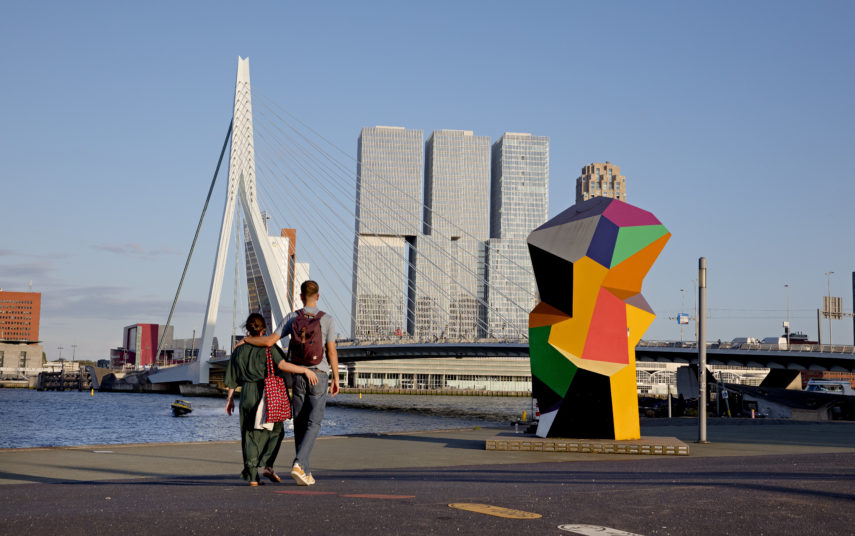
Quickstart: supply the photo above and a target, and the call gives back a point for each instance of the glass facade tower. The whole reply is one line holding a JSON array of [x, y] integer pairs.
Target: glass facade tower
[[382, 278], [457, 184], [388, 214], [283, 248], [519, 194], [389, 181], [440, 248], [450, 265], [448, 290]]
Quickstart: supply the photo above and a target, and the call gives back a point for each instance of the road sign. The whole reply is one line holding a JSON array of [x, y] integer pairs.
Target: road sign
[[832, 307]]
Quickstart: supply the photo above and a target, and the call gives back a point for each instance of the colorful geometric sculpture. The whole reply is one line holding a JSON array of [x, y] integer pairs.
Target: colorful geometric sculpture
[[589, 263]]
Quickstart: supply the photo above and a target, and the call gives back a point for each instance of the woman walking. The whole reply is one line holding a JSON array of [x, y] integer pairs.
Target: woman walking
[[247, 368]]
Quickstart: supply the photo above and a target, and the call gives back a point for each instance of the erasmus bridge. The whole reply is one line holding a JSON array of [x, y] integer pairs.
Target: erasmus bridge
[[282, 170], [283, 174]]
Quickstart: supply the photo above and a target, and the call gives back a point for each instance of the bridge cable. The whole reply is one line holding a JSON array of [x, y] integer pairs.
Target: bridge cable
[[444, 272], [442, 250], [193, 245], [320, 183], [346, 172]]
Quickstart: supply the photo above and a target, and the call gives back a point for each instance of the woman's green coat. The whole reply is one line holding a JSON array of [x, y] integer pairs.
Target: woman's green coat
[[247, 368]]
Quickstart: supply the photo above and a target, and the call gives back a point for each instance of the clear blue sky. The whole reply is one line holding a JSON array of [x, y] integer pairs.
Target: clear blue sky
[[732, 122]]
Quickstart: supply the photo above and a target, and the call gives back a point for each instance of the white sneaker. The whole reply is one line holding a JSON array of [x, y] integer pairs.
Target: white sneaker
[[299, 475], [311, 480]]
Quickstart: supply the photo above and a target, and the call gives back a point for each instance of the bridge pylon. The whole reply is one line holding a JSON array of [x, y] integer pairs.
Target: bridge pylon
[[241, 190]]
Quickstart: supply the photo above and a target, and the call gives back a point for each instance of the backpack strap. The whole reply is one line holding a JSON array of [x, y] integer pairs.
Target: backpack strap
[[318, 315]]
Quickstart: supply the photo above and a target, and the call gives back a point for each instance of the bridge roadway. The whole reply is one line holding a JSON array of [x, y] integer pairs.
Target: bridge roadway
[[800, 357]]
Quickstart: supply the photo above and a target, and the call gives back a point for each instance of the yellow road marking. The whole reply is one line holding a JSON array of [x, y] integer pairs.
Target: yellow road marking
[[595, 530], [497, 511]]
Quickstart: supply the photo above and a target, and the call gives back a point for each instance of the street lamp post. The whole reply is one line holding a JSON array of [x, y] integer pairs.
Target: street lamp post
[[682, 309], [787, 286], [61, 370], [828, 306], [695, 307], [702, 350]]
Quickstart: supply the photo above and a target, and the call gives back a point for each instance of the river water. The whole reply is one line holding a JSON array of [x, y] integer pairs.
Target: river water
[[50, 419]]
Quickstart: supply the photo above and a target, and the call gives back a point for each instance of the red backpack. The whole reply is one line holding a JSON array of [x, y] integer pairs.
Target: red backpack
[[307, 343]]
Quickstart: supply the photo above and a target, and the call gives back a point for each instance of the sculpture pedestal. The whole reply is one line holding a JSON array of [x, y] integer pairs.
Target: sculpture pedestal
[[660, 446]]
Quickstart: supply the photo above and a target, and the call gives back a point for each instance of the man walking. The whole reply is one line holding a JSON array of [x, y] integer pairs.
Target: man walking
[[311, 336]]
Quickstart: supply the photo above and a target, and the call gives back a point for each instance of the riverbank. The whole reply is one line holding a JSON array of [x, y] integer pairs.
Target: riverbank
[[17, 384], [432, 392]]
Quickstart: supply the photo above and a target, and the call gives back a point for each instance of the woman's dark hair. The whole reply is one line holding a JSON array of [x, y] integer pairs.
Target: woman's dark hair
[[255, 324]]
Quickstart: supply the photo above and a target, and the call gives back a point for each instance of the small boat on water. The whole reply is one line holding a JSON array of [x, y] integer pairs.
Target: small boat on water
[[180, 408]]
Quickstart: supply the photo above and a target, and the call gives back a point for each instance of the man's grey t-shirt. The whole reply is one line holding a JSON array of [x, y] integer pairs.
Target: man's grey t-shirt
[[327, 333]]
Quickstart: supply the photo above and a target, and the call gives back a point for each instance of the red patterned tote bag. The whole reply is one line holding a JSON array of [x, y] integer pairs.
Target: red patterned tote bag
[[275, 395]]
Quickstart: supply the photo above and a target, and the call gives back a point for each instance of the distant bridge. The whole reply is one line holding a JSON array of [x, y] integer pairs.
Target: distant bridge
[[797, 357]]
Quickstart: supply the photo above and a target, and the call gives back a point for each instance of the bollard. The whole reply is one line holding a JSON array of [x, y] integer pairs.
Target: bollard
[[524, 415]]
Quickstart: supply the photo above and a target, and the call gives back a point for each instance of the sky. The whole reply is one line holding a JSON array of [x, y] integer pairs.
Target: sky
[[732, 122]]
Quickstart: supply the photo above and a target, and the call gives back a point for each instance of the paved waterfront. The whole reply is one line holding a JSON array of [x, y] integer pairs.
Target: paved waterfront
[[761, 478]]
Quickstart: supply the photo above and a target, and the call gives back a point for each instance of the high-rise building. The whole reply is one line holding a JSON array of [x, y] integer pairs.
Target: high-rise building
[[19, 329], [457, 185], [284, 253], [301, 273], [447, 290], [464, 273], [381, 278], [519, 204], [19, 316], [600, 180], [388, 181], [388, 216], [449, 281]]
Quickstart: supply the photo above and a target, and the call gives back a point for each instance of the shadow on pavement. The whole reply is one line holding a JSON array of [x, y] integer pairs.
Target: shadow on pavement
[[468, 444]]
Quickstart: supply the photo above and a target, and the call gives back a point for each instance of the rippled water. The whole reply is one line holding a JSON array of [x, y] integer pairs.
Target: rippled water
[[45, 419]]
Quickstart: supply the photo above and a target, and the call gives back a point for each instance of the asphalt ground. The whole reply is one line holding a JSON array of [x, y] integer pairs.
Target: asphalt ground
[[750, 479]]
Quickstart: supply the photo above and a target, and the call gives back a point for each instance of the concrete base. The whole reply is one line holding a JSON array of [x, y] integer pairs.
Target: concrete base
[[665, 446], [200, 389], [24, 384]]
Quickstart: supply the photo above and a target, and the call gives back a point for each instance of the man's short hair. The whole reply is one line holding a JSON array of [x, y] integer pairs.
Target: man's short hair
[[309, 288]]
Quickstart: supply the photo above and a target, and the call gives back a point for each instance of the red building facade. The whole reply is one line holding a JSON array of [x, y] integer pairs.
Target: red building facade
[[139, 344], [19, 316]]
